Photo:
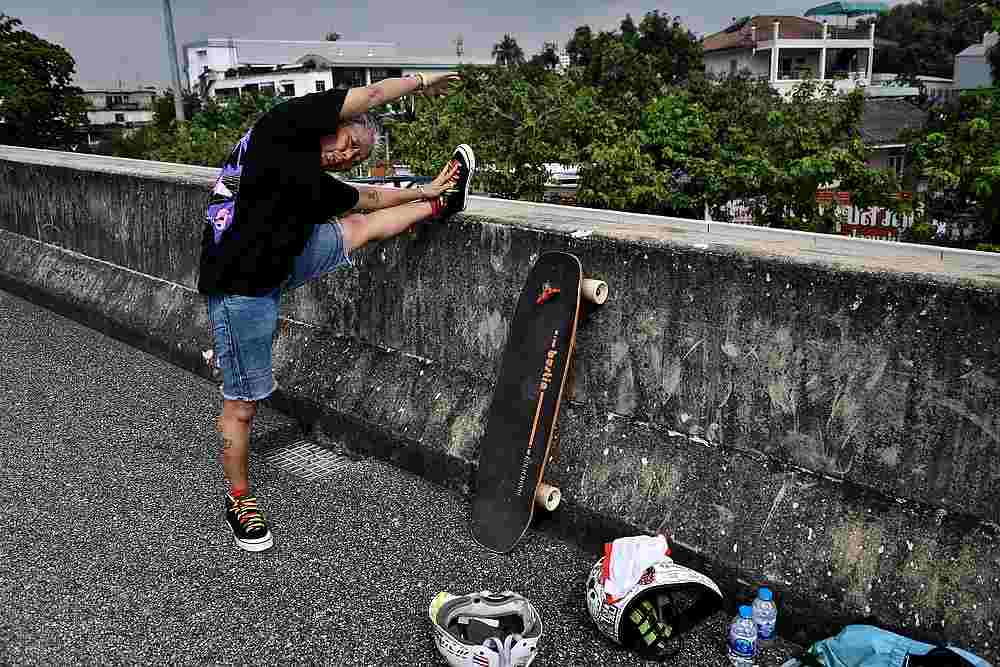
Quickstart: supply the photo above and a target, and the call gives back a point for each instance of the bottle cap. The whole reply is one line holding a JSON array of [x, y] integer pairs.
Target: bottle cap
[[765, 594], [746, 611]]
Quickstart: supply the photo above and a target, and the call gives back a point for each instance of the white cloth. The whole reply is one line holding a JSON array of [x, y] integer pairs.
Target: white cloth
[[626, 559]]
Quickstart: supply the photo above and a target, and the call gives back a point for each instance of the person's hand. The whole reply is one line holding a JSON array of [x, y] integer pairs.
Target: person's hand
[[447, 178], [438, 84]]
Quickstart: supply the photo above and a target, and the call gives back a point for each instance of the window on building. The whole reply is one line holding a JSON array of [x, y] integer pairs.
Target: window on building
[[267, 89], [320, 86], [119, 118], [288, 89], [733, 66], [378, 74], [348, 77], [226, 93], [251, 88]]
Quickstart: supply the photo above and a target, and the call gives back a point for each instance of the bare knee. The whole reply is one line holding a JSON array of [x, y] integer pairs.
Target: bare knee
[[239, 413], [356, 230]]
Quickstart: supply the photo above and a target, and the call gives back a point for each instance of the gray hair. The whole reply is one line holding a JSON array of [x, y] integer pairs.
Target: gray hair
[[370, 126]]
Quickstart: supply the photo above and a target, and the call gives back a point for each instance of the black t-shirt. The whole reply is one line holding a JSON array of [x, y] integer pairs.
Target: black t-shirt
[[269, 196]]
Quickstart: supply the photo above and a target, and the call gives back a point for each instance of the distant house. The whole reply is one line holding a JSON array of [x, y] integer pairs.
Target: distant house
[[117, 109], [884, 123], [972, 69], [790, 49], [230, 67]]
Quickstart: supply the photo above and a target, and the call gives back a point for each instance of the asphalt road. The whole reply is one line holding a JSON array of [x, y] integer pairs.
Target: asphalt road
[[113, 548]]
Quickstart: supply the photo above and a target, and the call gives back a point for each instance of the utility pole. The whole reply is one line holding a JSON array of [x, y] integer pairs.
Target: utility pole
[[168, 18]]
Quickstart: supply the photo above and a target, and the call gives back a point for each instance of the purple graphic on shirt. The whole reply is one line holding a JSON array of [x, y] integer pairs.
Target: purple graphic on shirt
[[221, 216], [222, 203]]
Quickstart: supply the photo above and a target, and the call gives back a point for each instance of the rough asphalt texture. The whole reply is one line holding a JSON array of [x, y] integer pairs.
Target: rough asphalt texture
[[113, 548]]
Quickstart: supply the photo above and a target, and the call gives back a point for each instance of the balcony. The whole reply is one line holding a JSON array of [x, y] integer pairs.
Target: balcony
[[821, 36]]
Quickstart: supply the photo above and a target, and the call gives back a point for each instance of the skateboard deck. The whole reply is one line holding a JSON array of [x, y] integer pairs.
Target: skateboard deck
[[522, 417]]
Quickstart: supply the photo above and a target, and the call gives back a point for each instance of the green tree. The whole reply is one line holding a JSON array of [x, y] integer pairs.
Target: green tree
[[813, 143], [688, 148], [580, 47], [633, 66], [676, 49], [707, 143], [993, 55], [927, 35], [39, 106], [204, 140], [958, 152], [164, 113], [507, 52], [630, 34], [516, 122], [547, 58]]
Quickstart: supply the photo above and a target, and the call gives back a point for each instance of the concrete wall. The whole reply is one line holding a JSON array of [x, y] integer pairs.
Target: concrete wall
[[818, 413]]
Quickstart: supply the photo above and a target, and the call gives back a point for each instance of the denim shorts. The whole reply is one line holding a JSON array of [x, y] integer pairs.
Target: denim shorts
[[244, 326]]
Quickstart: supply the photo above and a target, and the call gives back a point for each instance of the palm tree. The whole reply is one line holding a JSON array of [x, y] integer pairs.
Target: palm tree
[[507, 52]]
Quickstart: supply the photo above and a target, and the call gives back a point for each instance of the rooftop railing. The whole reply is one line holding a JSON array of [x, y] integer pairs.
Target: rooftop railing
[[765, 33]]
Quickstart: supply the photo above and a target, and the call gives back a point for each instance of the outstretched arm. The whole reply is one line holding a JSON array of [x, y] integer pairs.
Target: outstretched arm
[[360, 100]]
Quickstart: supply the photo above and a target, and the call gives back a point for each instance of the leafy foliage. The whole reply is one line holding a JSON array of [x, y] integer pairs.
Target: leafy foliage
[[633, 65], [959, 153], [928, 34], [164, 113], [711, 142], [517, 123], [205, 140], [39, 106], [507, 52]]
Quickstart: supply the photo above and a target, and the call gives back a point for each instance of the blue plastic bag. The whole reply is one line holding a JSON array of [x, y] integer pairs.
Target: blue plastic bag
[[870, 646]]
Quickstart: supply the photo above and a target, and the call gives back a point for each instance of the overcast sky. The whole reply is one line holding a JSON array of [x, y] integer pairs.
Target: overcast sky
[[115, 40]]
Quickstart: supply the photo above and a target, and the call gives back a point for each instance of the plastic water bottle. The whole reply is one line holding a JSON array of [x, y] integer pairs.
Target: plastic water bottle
[[743, 638], [765, 614]]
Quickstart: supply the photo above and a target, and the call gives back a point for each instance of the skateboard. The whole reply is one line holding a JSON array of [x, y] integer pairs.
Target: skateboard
[[521, 423]]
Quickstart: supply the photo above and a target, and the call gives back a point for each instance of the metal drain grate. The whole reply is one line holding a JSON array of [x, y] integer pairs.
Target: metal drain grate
[[307, 460]]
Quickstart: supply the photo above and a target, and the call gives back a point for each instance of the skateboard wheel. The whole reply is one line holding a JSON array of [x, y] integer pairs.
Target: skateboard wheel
[[595, 291], [548, 497]]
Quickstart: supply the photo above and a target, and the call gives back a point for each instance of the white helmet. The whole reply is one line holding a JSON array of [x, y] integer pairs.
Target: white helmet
[[485, 629], [668, 600]]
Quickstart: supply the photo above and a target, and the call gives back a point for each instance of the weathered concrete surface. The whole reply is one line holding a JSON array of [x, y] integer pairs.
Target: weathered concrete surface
[[825, 419]]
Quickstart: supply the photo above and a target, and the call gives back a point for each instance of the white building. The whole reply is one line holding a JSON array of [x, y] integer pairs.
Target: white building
[[225, 67], [937, 89], [790, 49], [114, 109], [972, 69], [108, 105]]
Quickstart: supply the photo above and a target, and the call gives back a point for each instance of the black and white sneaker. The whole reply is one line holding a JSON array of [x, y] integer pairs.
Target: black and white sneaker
[[457, 197], [249, 526]]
